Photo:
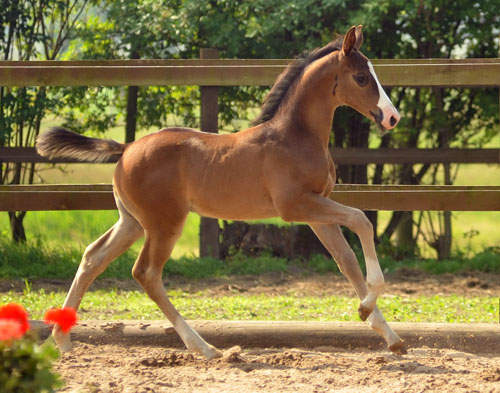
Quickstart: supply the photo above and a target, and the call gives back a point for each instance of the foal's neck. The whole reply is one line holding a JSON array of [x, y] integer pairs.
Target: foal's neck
[[312, 103]]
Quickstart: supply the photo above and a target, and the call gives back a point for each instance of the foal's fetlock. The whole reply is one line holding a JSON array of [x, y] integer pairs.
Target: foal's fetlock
[[370, 301], [364, 312], [366, 306]]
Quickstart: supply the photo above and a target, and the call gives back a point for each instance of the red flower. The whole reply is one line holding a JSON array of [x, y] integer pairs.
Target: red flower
[[64, 317], [16, 313], [10, 329]]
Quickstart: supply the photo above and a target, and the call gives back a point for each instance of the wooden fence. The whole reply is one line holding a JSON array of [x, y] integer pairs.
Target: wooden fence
[[410, 73]]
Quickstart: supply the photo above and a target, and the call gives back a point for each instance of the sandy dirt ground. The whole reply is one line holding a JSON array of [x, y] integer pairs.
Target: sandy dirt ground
[[112, 368]]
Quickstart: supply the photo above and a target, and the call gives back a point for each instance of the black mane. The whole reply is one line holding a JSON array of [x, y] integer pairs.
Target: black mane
[[289, 76]]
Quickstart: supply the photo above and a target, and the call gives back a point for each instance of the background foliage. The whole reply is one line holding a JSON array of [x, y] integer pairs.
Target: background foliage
[[104, 29]]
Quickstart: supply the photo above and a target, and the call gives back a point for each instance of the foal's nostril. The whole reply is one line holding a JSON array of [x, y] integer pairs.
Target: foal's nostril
[[393, 121]]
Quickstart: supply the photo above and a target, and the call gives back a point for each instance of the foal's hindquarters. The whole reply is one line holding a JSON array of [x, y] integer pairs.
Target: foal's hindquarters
[[150, 204]]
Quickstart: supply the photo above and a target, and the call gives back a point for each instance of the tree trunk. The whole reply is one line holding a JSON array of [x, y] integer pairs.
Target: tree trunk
[[404, 234], [445, 240], [444, 251], [404, 231], [131, 118], [17, 227]]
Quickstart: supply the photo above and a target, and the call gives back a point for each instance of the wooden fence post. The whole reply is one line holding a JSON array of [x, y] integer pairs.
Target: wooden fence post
[[209, 110]]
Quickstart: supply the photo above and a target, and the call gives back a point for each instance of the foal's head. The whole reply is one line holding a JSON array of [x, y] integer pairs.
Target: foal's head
[[357, 85], [354, 83]]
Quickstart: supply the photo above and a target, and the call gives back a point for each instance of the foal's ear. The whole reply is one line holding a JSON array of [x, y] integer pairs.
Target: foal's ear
[[349, 41], [359, 36]]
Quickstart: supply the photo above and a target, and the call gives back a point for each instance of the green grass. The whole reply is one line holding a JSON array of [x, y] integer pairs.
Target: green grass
[[114, 304], [77, 229]]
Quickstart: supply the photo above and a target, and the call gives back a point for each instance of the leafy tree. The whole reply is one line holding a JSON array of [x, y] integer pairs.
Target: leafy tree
[[151, 30], [31, 30]]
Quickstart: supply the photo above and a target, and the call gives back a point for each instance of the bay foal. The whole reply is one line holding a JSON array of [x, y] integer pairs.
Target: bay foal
[[279, 167]]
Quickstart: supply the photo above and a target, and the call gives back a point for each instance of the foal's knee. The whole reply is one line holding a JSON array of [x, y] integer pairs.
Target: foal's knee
[[90, 266], [360, 224], [146, 275], [140, 274]]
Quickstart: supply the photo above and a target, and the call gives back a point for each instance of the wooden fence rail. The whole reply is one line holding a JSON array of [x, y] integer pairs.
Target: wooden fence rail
[[366, 197], [410, 73]]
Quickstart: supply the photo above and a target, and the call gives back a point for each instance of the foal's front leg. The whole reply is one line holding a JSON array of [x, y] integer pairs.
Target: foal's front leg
[[332, 238], [316, 209]]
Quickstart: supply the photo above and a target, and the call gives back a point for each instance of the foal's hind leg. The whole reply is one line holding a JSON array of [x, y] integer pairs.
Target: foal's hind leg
[[332, 238], [147, 270], [96, 259]]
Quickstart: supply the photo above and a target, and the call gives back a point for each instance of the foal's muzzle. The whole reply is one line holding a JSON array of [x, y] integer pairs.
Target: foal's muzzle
[[386, 118]]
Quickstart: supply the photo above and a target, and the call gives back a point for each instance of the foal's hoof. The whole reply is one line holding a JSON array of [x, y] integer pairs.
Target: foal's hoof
[[212, 353], [62, 341], [399, 348], [364, 312]]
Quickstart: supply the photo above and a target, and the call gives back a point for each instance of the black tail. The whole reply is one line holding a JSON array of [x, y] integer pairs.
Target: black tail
[[58, 142]]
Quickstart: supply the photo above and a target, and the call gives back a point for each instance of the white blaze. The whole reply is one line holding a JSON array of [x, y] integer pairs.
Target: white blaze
[[383, 100], [390, 114]]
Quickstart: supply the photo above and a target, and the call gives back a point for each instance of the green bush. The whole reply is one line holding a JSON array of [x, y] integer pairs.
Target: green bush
[[194, 268], [34, 260]]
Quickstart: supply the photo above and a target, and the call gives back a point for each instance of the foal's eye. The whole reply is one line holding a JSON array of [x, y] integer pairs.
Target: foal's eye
[[361, 79]]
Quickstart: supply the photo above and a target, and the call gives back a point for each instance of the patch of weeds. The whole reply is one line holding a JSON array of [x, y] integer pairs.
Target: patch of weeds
[[240, 264], [320, 264], [237, 264], [194, 267], [486, 261], [36, 260]]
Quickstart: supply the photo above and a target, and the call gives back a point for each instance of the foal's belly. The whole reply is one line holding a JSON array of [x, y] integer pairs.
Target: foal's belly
[[242, 206]]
